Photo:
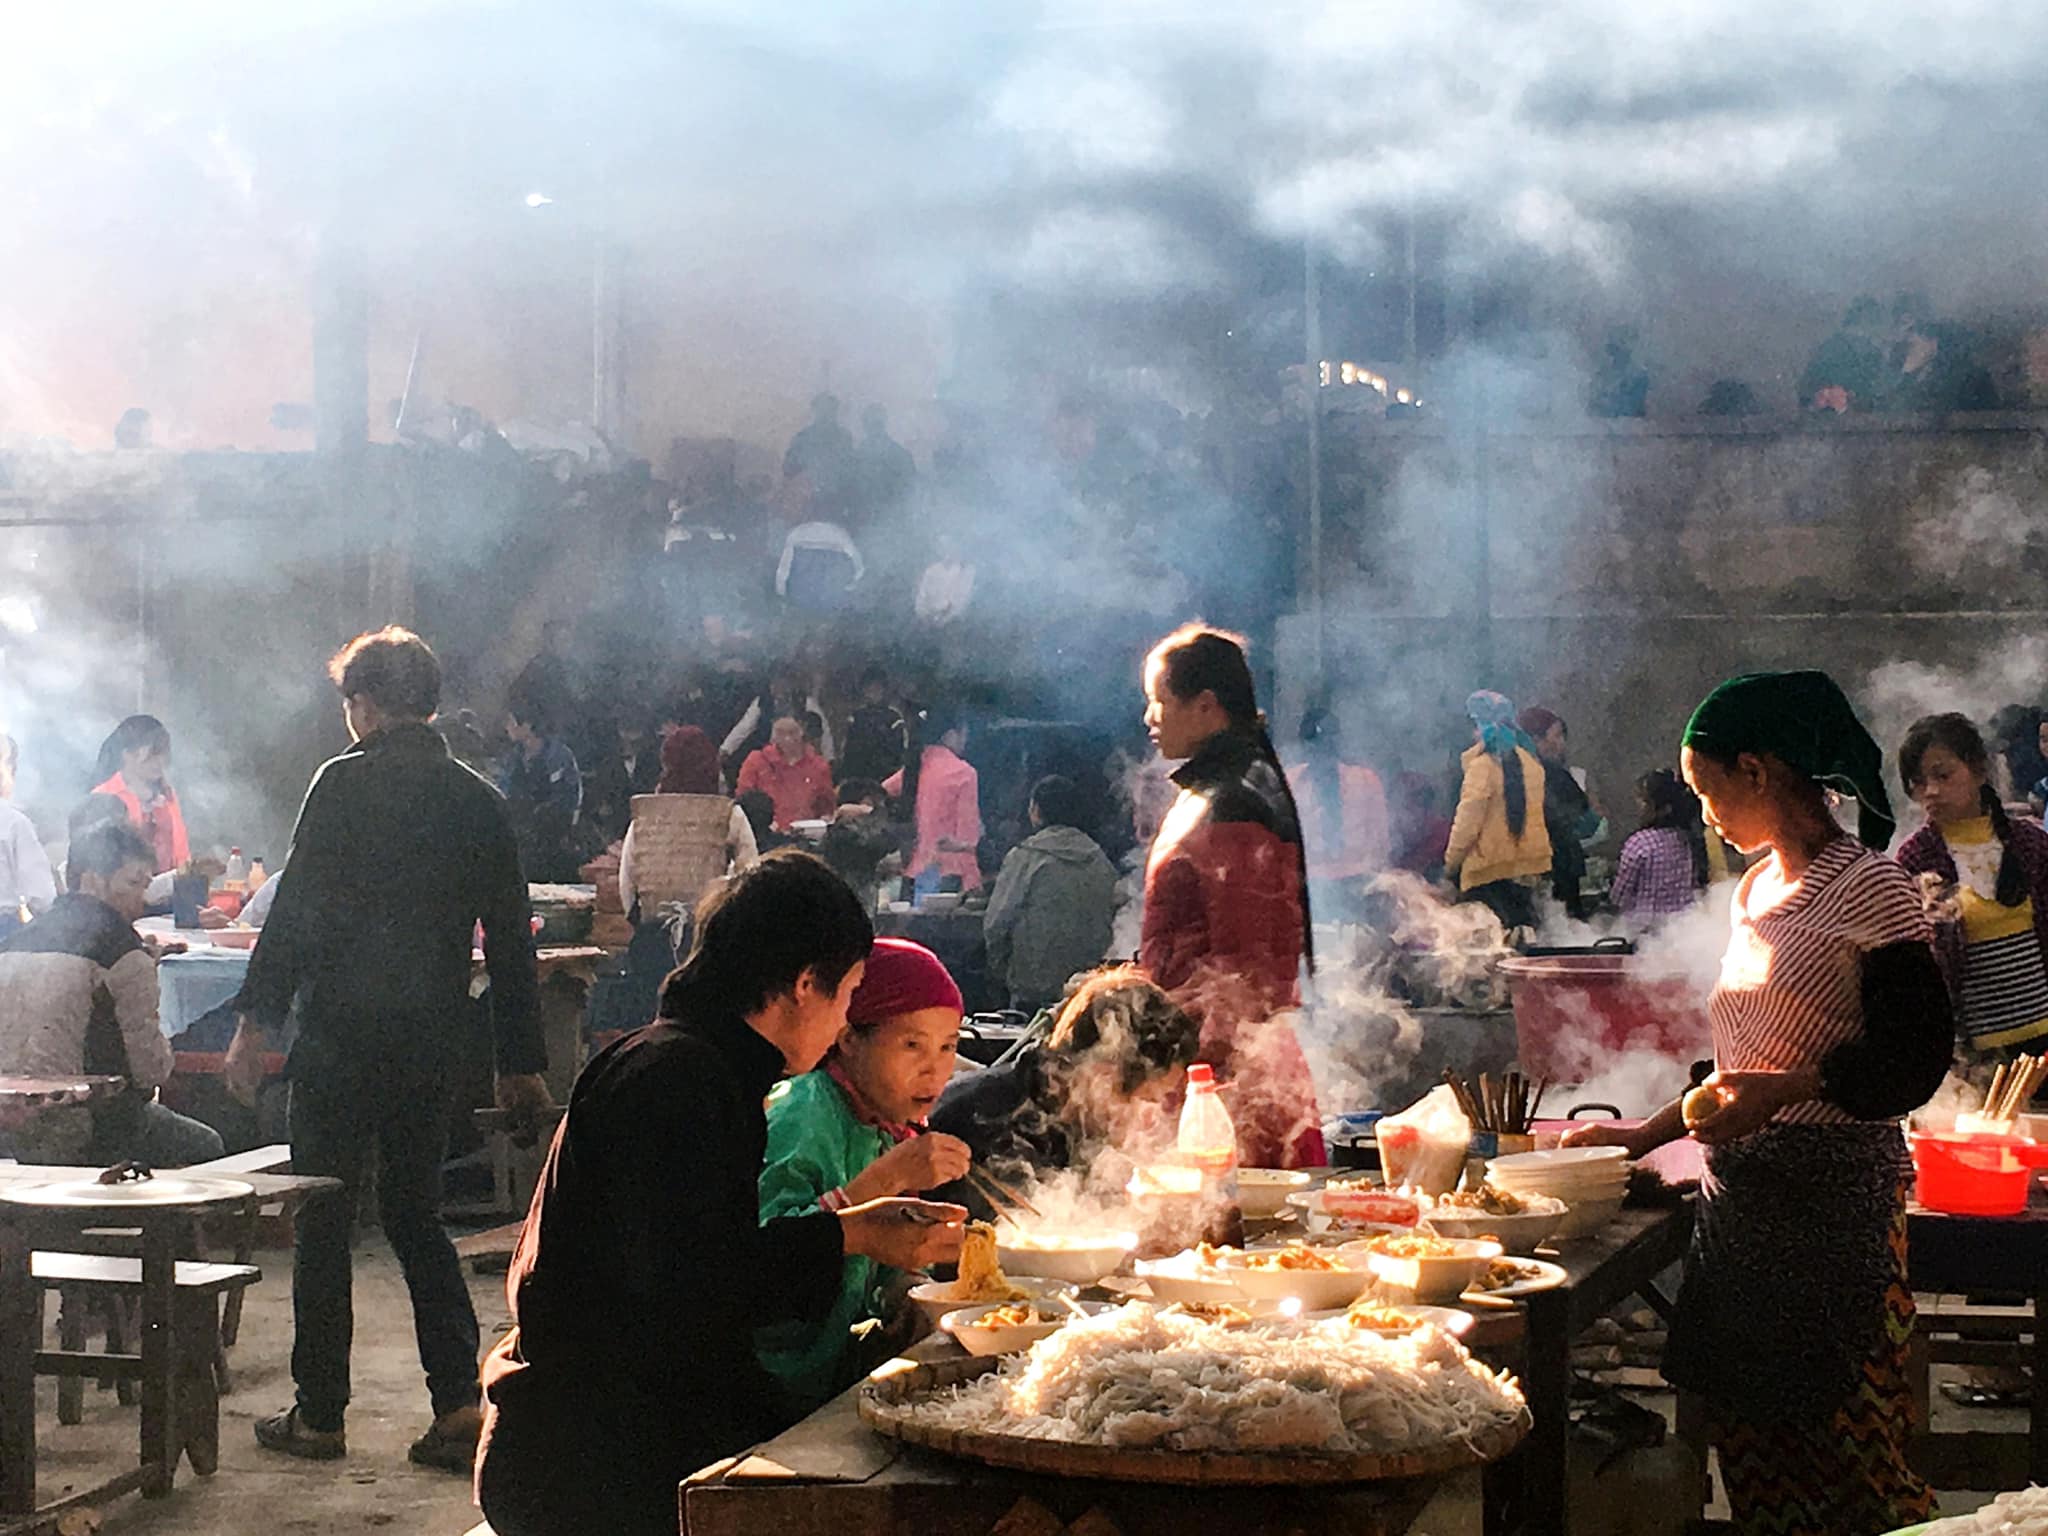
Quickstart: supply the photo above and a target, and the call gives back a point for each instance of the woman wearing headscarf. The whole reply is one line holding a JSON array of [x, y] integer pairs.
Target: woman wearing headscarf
[[1499, 846], [1830, 1023], [689, 766], [1226, 924]]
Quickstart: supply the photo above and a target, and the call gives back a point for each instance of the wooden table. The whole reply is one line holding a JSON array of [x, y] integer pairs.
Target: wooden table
[[21, 1098], [1986, 1255], [1527, 1491], [833, 1476], [164, 1228]]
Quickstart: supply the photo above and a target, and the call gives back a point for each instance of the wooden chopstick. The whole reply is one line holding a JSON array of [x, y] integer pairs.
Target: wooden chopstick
[[1000, 1194]]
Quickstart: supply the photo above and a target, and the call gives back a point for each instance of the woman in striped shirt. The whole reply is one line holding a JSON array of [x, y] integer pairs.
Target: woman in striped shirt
[[1987, 877], [1830, 1023]]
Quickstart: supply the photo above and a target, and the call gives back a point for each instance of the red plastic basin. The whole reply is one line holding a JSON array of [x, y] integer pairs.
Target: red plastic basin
[[1974, 1173], [1575, 1013]]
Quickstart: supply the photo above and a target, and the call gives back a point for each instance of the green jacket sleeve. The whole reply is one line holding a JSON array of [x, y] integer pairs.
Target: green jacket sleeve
[[807, 1146]]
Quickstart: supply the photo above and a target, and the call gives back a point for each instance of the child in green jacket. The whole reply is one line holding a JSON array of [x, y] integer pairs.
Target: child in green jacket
[[853, 1131]]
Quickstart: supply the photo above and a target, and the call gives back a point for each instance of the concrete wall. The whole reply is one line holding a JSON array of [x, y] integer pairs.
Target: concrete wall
[[1616, 571]]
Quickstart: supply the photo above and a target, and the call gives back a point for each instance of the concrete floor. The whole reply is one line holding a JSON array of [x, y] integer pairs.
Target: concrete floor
[[375, 1488]]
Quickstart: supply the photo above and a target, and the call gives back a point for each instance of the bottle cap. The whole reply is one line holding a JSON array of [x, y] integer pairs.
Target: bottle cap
[[1201, 1073]]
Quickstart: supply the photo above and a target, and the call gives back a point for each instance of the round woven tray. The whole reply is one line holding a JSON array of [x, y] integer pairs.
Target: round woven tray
[[885, 1404]]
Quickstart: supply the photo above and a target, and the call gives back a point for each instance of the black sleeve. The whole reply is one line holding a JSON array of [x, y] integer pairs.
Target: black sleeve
[[286, 950], [508, 944], [1908, 1037], [688, 1232]]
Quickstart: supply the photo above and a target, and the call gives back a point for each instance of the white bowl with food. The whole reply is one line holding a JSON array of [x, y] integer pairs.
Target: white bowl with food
[[1188, 1278], [1317, 1278], [810, 829], [1520, 1222], [1429, 1268], [935, 1298], [1262, 1192], [1078, 1258], [1393, 1320], [1006, 1327]]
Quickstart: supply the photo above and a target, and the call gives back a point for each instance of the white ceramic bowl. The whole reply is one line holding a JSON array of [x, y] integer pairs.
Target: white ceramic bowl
[[1182, 1278], [1517, 1234], [935, 1298], [1450, 1319], [1262, 1192], [942, 901], [1557, 1160], [1077, 1260], [1436, 1279], [810, 831], [1316, 1289], [978, 1338], [1585, 1218]]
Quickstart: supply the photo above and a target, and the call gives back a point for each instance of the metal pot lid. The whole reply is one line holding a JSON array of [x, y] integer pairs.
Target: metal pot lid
[[90, 1194]]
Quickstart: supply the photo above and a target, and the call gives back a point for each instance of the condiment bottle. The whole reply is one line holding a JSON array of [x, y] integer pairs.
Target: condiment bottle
[[1207, 1140], [236, 876], [257, 874]]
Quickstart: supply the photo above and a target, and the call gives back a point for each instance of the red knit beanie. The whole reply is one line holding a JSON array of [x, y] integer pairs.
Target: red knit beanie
[[902, 977]]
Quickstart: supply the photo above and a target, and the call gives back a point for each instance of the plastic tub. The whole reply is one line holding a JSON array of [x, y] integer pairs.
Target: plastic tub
[[1974, 1173], [1575, 1013]]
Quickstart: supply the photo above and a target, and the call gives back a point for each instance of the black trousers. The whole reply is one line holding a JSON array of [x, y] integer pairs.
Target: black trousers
[[401, 1112]]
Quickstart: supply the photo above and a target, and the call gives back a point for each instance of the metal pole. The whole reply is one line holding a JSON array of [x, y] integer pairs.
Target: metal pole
[[1312, 325]]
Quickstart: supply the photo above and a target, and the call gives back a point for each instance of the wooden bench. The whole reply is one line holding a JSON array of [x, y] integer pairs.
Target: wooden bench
[[514, 1170], [276, 1158], [196, 1286]]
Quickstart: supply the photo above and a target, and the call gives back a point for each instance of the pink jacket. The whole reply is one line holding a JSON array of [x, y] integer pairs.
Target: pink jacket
[[948, 810]]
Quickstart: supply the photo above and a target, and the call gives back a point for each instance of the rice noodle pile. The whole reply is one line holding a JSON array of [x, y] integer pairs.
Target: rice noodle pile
[[2024, 1513], [1137, 1378]]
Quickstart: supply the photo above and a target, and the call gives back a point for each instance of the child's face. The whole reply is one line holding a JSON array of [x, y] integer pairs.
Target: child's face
[[1948, 788], [903, 1064]]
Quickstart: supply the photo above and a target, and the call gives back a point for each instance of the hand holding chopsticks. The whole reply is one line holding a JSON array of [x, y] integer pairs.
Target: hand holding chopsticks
[[1002, 1199]]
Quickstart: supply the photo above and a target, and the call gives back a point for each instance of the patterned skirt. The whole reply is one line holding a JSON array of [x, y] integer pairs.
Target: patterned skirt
[[1793, 1326]]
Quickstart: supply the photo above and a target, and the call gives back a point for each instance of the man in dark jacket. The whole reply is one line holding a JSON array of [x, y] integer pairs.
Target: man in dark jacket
[[399, 853], [645, 1268]]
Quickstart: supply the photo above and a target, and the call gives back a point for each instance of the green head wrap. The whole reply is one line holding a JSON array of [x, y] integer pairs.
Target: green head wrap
[[1804, 719]]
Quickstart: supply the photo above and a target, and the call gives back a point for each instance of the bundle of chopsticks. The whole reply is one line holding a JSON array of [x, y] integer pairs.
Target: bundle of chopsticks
[[1505, 1106], [2013, 1087]]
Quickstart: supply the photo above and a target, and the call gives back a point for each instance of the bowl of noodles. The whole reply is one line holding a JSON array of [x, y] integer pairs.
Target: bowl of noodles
[[981, 1280], [1316, 1278]]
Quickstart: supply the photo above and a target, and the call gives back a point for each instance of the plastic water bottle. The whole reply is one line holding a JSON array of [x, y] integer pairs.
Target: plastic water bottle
[[1207, 1140]]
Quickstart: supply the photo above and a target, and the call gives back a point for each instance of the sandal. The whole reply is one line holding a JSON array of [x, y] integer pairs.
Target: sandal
[[1969, 1394], [288, 1433]]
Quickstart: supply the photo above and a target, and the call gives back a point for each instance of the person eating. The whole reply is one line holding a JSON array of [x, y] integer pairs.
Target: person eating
[[644, 1267], [796, 779], [1117, 1053], [1830, 1023], [1226, 925], [851, 1131]]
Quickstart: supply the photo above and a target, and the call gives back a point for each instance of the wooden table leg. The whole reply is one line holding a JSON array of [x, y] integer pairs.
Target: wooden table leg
[[1547, 1383], [21, 1327], [160, 1439], [2037, 1414]]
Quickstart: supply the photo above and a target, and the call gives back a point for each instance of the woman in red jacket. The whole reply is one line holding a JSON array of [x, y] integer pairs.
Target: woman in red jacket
[[133, 765], [1226, 924]]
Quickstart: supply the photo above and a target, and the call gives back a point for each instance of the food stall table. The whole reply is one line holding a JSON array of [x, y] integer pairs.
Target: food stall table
[[1526, 1491], [831, 1475], [29, 1221], [1982, 1255]]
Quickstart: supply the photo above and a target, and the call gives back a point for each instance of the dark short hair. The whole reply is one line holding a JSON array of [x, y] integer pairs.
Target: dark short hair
[[760, 930], [106, 849], [1057, 799], [855, 791], [1121, 1016], [93, 811], [814, 725], [394, 669]]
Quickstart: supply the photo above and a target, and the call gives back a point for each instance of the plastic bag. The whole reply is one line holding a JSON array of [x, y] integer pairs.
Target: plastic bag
[[1423, 1147]]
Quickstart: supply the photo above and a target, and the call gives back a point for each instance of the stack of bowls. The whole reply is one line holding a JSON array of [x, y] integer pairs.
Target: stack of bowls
[[1592, 1181]]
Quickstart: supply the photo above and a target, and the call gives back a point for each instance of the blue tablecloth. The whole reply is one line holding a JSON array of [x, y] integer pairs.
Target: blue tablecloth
[[196, 983]]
